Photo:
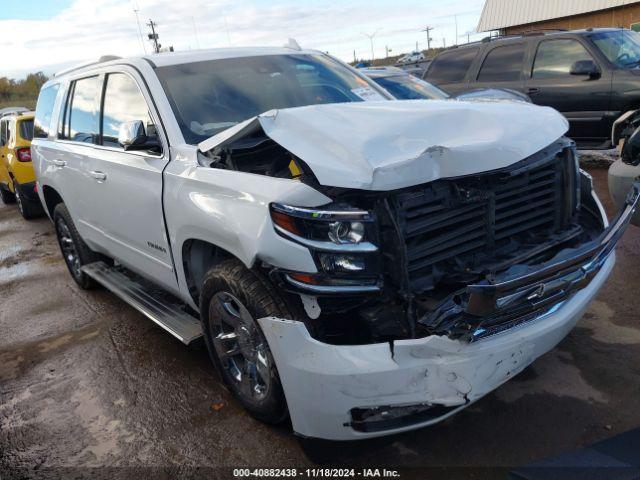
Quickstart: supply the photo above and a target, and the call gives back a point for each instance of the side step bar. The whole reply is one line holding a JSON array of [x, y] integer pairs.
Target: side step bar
[[147, 301]]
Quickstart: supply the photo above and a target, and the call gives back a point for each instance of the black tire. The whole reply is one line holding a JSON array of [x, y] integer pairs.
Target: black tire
[[6, 195], [28, 209], [261, 300], [69, 239]]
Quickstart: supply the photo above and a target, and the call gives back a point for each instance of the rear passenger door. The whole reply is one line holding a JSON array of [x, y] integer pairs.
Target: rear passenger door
[[67, 163], [126, 186], [449, 70], [585, 101], [502, 67]]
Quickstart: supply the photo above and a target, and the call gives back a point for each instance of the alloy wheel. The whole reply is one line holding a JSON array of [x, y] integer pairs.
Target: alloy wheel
[[240, 346], [68, 247]]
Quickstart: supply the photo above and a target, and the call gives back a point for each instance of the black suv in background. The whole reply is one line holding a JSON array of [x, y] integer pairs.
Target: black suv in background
[[591, 76]]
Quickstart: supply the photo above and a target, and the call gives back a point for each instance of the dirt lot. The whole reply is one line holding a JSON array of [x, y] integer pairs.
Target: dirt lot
[[86, 381]]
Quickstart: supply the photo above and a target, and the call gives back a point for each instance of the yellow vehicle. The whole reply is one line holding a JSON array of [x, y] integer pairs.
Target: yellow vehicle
[[17, 178]]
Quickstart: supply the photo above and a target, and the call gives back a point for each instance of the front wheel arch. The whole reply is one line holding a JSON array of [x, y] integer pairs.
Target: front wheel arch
[[52, 198]]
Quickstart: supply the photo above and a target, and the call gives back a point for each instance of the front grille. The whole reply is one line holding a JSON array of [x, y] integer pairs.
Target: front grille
[[451, 228]]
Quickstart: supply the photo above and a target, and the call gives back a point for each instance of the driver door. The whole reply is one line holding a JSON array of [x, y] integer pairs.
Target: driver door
[[584, 100], [127, 185]]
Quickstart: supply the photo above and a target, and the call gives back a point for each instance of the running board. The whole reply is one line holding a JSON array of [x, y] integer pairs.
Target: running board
[[149, 302]]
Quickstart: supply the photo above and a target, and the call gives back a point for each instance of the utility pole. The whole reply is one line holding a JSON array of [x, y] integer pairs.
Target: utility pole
[[387, 49], [195, 30], [444, 42], [226, 27], [153, 36], [371, 36], [428, 30], [456, 18], [355, 60]]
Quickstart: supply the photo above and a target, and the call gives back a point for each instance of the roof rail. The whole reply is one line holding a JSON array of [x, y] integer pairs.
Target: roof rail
[[12, 111], [103, 59], [527, 33]]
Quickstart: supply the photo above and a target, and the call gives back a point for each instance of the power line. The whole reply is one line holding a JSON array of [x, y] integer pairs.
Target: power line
[[136, 9]]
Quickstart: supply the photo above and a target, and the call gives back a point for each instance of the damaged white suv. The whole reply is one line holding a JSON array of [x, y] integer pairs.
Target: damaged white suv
[[362, 265]]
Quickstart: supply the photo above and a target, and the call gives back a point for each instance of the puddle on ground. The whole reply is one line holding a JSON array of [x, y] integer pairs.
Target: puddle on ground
[[599, 319], [556, 375]]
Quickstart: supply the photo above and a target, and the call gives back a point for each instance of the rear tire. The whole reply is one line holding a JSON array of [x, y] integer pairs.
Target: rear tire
[[75, 252], [6, 196], [232, 299], [28, 209]]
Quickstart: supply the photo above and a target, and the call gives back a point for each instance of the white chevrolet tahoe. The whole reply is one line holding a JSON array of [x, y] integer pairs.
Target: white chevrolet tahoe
[[361, 265]]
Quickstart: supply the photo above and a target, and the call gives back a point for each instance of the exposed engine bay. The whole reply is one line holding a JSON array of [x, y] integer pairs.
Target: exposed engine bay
[[435, 242]]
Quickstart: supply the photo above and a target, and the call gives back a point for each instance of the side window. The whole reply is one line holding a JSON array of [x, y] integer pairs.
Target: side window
[[26, 129], [4, 132], [123, 102], [451, 67], [555, 58], [503, 64], [44, 110], [81, 119]]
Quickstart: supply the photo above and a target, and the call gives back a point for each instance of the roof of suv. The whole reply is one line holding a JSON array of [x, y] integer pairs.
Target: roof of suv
[[191, 56], [537, 33]]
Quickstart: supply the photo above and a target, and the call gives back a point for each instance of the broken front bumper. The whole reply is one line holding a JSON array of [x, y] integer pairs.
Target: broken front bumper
[[354, 392], [327, 387]]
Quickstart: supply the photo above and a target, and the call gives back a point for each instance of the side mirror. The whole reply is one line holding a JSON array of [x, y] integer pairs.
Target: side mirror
[[132, 136], [585, 68]]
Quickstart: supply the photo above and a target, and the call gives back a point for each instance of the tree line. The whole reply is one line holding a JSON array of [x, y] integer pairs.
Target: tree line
[[21, 93]]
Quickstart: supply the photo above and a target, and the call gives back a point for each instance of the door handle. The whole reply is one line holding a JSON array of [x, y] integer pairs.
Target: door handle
[[533, 91], [59, 163], [99, 176]]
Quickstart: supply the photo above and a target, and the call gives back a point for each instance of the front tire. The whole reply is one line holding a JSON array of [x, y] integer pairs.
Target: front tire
[[75, 252], [232, 299]]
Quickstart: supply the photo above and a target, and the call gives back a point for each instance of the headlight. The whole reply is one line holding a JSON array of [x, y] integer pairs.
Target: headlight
[[346, 232], [342, 241], [340, 228]]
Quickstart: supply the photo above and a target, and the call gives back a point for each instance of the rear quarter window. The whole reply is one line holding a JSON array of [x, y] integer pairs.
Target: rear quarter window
[[26, 129], [451, 67], [503, 64], [44, 111]]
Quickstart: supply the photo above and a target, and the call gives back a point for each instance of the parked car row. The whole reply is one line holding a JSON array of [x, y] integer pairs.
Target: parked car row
[[404, 86], [590, 76], [360, 265], [17, 178]]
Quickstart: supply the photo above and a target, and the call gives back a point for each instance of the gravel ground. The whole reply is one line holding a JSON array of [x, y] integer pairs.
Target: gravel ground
[[87, 382]]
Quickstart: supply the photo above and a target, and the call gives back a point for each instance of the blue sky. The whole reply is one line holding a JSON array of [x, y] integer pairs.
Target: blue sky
[[32, 9], [53, 34]]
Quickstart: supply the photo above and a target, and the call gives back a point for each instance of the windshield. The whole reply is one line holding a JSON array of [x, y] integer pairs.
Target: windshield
[[211, 96], [408, 87], [621, 47]]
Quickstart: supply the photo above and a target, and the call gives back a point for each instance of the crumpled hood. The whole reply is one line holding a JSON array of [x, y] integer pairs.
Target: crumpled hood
[[394, 144]]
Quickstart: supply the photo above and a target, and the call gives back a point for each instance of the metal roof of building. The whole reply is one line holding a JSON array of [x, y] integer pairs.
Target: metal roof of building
[[499, 14]]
